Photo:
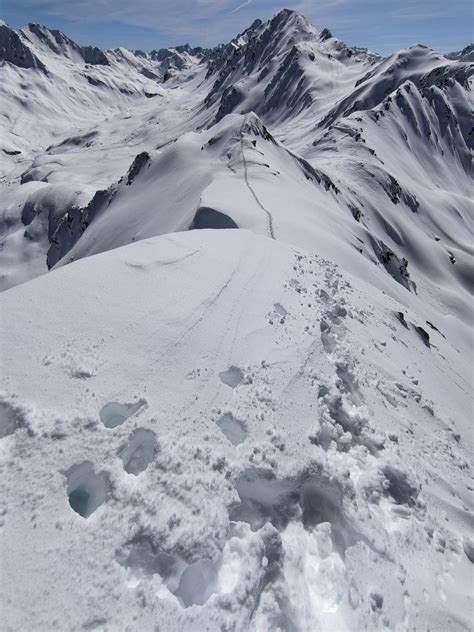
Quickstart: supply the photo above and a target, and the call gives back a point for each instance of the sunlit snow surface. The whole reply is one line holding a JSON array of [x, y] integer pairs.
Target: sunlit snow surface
[[266, 428], [345, 504]]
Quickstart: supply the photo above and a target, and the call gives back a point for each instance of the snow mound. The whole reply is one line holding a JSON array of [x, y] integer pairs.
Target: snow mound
[[301, 461]]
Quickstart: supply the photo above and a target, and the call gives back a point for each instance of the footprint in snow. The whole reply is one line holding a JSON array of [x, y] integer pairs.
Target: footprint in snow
[[232, 377], [233, 428], [9, 419], [139, 451], [192, 584], [86, 490], [114, 414]]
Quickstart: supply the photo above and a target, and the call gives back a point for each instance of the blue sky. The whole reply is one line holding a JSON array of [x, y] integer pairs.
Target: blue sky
[[382, 25]]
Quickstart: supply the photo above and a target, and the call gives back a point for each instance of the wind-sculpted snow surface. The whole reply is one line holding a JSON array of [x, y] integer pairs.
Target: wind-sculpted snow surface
[[265, 428], [301, 462]]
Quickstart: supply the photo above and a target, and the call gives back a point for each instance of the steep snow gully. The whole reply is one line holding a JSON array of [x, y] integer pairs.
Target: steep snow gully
[[264, 429]]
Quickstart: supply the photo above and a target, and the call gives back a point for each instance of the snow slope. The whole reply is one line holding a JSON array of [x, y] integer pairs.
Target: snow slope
[[52, 88], [264, 428], [270, 449], [338, 111]]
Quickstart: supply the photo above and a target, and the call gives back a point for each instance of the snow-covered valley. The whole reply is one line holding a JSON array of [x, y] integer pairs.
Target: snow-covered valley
[[236, 335]]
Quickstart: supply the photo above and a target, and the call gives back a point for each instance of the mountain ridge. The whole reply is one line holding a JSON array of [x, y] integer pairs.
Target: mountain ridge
[[309, 83], [236, 297]]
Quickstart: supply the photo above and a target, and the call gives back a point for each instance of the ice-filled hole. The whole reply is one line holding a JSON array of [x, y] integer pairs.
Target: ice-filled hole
[[233, 429], [86, 490], [233, 376], [113, 414], [139, 451]]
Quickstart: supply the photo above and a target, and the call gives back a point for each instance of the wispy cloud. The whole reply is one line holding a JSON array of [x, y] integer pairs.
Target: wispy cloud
[[241, 6]]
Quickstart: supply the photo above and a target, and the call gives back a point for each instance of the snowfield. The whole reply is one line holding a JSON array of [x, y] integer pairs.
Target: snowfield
[[237, 336]]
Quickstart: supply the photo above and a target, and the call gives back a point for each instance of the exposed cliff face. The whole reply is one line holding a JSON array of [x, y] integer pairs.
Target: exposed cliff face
[[265, 53], [466, 54], [70, 226], [93, 55], [280, 67], [16, 52]]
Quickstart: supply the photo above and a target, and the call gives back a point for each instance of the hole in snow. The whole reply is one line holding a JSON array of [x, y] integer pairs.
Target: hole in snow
[[191, 584], [139, 451], [197, 583], [280, 310], [347, 383], [143, 559], [264, 498], [399, 487], [232, 377], [233, 429], [206, 217], [86, 489], [309, 499], [113, 414], [8, 420]]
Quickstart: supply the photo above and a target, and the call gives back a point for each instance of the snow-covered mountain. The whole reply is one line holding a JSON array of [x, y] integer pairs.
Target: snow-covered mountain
[[256, 429]]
